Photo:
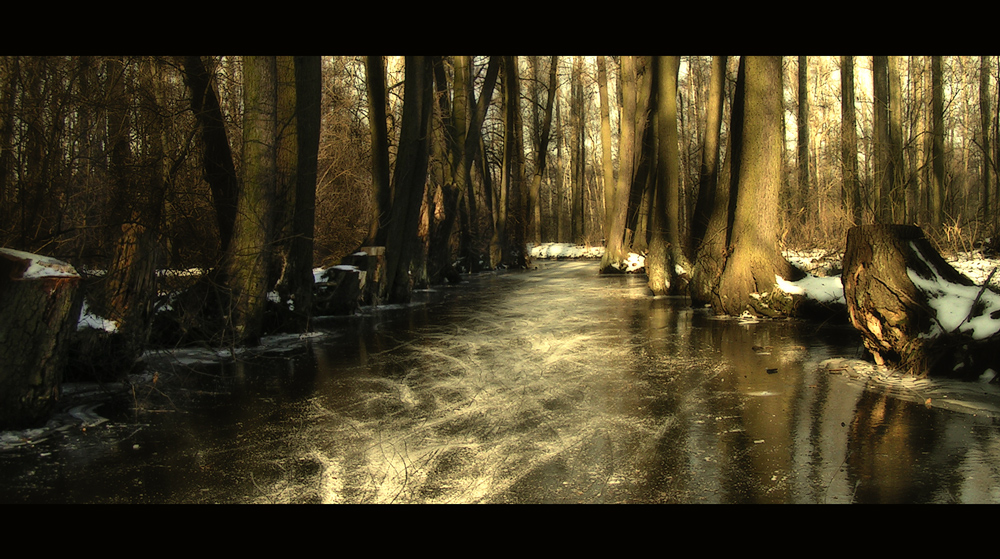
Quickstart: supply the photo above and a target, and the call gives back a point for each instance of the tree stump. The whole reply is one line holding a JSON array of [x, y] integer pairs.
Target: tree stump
[[40, 309], [915, 312], [338, 292], [370, 261]]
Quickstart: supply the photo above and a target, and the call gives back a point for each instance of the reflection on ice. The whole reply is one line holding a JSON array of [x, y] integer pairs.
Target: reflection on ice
[[550, 385]]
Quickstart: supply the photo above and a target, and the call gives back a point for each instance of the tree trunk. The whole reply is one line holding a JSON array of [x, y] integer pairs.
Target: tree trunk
[[220, 171], [984, 136], [884, 163], [709, 174], [711, 255], [665, 254], [756, 259], [579, 148], [402, 246], [131, 279], [915, 312], [936, 207], [615, 250], [249, 254], [472, 150], [447, 138], [802, 120], [40, 309], [382, 198], [308, 94], [607, 163], [851, 189], [897, 196], [514, 208], [541, 156]]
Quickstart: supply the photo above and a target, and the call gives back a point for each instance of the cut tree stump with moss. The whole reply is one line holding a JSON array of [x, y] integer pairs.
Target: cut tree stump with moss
[[915, 312], [40, 310]]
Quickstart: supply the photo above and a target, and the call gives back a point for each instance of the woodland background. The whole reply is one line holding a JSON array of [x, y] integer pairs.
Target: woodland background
[[92, 146]]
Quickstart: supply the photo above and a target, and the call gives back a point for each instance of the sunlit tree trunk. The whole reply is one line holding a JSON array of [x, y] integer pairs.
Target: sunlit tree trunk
[[802, 120], [403, 246], [616, 249], [756, 258], [711, 254], [851, 189], [888, 145], [936, 189], [984, 136], [579, 150], [665, 252], [709, 173], [644, 176], [898, 193], [607, 162]]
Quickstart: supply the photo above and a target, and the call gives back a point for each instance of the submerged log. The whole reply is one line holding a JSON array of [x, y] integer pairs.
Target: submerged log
[[915, 312], [40, 308]]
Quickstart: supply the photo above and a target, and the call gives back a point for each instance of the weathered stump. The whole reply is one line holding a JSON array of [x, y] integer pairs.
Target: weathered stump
[[915, 312], [338, 292], [39, 309], [370, 261]]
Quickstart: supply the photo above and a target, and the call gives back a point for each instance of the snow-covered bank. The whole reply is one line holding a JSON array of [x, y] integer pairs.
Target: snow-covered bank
[[823, 283], [635, 263]]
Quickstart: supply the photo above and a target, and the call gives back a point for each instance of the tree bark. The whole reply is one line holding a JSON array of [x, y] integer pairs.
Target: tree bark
[[541, 156], [382, 198], [665, 253], [40, 308], [711, 255], [472, 151], [709, 174], [131, 279], [936, 190], [984, 136], [219, 169], [632, 167], [756, 259], [308, 98], [615, 250], [883, 265], [249, 254], [802, 120], [403, 245], [513, 208], [851, 189]]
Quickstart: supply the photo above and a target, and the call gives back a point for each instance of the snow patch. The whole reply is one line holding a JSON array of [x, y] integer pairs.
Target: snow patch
[[42, 266], [828, 290], [90, 320], [953, 304], [564, 250]]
